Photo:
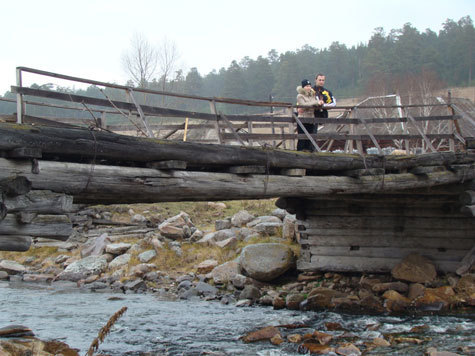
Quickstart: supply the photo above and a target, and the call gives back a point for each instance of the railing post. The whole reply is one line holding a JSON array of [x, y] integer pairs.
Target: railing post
[[451, 122], [20, 105]]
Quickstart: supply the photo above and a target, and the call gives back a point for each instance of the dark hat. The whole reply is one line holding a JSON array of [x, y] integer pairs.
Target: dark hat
[[306, 82]]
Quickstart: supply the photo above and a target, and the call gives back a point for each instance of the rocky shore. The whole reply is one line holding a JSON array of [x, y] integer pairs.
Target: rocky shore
[[244, 259]]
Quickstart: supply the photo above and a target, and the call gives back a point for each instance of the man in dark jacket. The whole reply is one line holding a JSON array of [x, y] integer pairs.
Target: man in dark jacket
[[325, 96]]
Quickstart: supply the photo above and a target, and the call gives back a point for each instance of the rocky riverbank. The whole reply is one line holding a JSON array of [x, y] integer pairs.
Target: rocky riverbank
[[241, 258]]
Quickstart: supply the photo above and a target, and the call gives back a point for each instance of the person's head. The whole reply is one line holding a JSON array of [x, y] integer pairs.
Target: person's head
[[306, 85], [320, 80]]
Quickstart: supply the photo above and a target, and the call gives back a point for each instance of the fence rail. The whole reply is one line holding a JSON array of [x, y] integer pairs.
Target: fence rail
[[354, 126]]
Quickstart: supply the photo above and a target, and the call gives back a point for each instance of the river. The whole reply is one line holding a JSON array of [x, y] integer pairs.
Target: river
[[153, 327]]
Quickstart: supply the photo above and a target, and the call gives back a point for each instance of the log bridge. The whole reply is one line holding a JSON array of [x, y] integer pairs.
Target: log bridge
[[355, 213]]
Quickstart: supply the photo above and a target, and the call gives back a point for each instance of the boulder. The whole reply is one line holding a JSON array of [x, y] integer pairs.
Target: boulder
[[228, 243], [293, 301], [217, 205], [280, 213], [265, 262], [241, 218], [118, 248], [250, 292], [83, 268], [264, 220], [269, 228], [12, 267], [222, 224], [146, 256], [466, 284], [206, 266], [120, 260], [289, 227], [397, 286], [415, 268], [225, 272]]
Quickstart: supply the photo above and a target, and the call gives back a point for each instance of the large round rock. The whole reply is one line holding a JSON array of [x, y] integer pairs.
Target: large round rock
[[265, 262]]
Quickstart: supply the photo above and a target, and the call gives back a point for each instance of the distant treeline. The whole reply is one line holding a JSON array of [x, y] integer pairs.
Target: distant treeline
[[387, 58]]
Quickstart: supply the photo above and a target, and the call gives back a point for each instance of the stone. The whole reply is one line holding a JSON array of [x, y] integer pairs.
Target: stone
[[206, 289], [206, 266], [217, 205], [265, 262], [239, 281], [230, 243], [138, 218], [136, 285], [12, 267], [435, 299], [397, 286], [289, 227], [146, 256], [280, 213], [140, 270], [269, 229], [432, 351], [243, 303], [321, 298], [294, 338], [262, 334], [250, 292], [241, 218], [120, 260], [348, 350], [293, 301], [415, 290], [118, 248], [380, 342], [197, 235], [83, 268], [276, 339], [264, 220], [222, 224], [38, 278], [3, 275], [415, 268], [278, 302], [225, 272], [171, 231], [466, 284], [61, 259], [395, 302]]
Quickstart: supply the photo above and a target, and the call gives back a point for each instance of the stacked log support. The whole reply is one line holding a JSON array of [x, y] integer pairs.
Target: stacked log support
[[372, 233], [28, 215]]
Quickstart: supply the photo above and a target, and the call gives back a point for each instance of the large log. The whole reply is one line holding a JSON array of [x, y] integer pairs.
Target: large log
[[81, 143], [15, 243], [115, 184], [56, 227], [41, 202]]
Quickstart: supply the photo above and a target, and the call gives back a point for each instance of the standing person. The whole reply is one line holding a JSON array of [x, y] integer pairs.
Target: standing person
[[306, 96], [325, 97]]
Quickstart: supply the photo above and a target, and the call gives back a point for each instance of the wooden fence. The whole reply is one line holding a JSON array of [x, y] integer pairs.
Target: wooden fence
[[353, 128]]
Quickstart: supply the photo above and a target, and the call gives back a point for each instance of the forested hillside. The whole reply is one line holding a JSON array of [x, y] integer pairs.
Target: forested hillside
[[379, 66]]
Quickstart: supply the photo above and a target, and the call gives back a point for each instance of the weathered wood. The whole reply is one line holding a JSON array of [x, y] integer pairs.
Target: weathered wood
[[26, 217], [57, 227], [397, 223], [96, 183], [25, 152], [14, 185], [467, 262], [389, 232], [394, 210], [3, 211], [247, 170], [468, 210], [84, 143], [41, 202], [467, 197], [440, 254], [427, 169], [362, 264], [387, 239], [15, 243], [364, 172], [172, 164], [293, 172]]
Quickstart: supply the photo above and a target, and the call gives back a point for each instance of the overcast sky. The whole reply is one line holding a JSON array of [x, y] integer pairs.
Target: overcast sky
[[88, 38]]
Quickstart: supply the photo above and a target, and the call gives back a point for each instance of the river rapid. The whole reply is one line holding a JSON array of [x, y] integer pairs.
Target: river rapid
[[152, 326]]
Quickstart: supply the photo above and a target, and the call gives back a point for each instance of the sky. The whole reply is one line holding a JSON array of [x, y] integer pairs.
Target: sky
[[89, 38]]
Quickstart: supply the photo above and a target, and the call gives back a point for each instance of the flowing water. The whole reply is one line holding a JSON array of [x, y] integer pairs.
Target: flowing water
[[158, 327]]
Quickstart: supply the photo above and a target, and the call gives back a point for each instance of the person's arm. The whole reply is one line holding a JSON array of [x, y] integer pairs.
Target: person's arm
[[330, 105]]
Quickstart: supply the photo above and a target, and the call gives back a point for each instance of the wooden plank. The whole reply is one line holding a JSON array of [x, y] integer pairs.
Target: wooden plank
[[362, 264], [3, 211], [18, 243], [427, 169], [293, 172], [41, 202], [467, 262], [57, 227], [397, 223], [307, 135], [171, 164], [387, 239], [388, 252], [397, 210]]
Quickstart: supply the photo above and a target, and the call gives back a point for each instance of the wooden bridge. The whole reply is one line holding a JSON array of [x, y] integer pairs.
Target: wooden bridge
[[356, 211]]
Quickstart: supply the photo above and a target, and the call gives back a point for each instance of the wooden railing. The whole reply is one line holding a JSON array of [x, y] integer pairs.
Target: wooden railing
[[351, 129]]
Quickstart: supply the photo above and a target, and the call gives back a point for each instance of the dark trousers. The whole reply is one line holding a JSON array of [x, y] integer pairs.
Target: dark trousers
[[305, 144]]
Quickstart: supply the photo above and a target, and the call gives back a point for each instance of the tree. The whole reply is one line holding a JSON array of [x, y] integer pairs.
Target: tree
[[167, 60], [140, 61]]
